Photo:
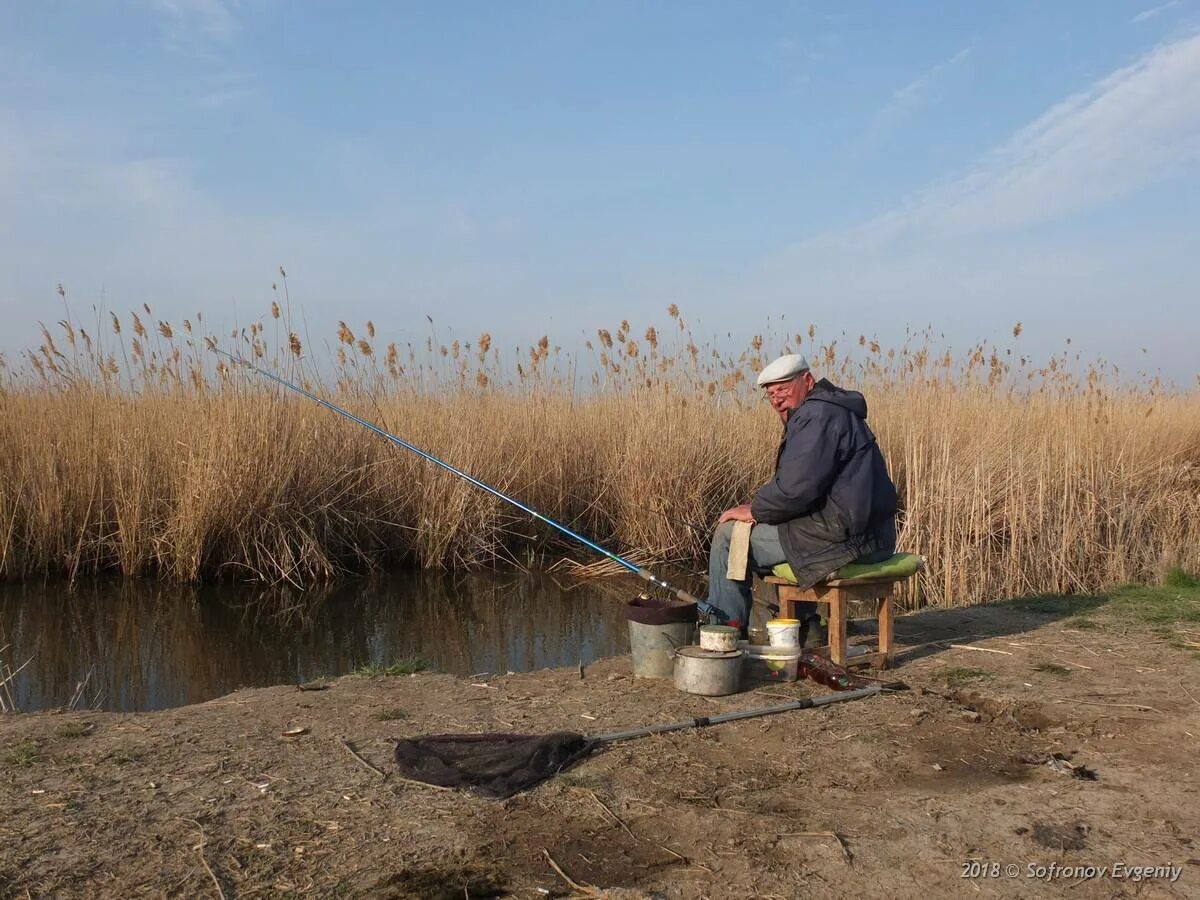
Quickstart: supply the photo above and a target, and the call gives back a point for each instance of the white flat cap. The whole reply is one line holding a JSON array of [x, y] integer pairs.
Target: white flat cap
[[788, 366]]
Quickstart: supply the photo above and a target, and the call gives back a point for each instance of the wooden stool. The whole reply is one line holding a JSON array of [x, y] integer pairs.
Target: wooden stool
[[839, 591]]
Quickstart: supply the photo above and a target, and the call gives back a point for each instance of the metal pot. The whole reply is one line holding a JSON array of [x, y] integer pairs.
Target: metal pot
[[713, 673]]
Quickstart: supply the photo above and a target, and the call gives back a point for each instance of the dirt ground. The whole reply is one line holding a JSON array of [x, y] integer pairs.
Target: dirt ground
[[913, 794]]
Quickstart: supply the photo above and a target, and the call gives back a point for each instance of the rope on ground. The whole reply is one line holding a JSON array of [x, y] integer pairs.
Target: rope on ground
[[586, 889], [204, 860], [354, 753]]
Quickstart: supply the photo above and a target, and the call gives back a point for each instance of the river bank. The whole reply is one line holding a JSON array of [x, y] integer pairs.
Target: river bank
[[900, 794]]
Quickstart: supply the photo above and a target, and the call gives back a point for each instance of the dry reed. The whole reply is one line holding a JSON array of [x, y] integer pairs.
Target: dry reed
[[137, 451]]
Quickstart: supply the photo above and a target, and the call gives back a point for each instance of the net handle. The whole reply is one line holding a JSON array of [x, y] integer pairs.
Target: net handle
[[704, 721]]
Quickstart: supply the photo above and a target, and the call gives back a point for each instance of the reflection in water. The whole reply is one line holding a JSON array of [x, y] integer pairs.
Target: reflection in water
[[154, 646]]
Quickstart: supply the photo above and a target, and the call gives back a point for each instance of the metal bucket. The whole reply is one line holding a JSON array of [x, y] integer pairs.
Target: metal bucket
[[713, 673], [656, 630]]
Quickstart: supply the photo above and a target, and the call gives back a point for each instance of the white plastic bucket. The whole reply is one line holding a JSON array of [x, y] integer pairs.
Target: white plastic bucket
[[784, 632]]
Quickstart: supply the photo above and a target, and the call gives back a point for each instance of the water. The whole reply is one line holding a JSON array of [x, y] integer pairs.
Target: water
[[151, 646]]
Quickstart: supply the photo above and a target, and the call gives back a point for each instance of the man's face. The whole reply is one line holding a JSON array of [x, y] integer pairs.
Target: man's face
[[786, 396]]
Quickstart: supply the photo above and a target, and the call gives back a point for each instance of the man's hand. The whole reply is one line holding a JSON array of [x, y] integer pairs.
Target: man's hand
[[737, 514]]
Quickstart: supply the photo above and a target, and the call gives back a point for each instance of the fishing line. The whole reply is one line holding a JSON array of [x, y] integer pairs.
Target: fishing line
[[704, 608]]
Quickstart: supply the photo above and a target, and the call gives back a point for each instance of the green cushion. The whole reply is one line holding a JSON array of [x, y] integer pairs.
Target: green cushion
[[902, 565]]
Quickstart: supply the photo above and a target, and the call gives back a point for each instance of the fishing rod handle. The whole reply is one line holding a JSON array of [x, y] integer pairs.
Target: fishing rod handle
[[705, 609]]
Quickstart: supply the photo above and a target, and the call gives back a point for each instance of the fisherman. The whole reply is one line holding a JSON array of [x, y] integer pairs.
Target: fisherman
[[829, 503]]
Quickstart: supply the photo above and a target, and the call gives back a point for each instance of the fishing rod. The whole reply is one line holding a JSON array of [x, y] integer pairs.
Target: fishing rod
[[705, 609]]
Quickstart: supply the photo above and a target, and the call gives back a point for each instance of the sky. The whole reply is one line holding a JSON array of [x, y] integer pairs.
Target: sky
[[528, 168]]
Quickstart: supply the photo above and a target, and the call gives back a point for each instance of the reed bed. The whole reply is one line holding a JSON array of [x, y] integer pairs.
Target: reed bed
[[137, 451]]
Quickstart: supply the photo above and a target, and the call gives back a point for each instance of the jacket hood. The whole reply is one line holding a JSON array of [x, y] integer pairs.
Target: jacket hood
[[827, 392]]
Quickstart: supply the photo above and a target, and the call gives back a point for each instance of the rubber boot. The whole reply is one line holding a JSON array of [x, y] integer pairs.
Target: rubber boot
[[813, 633]]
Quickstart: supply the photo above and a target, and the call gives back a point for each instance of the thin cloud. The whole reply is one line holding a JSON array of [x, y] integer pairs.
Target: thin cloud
[[75, 167], [82, 209], [963, 252], [908, 98], [224, 98], [917, 90], [798, 61], [1132, 128], [188, 23], [1147, 14]]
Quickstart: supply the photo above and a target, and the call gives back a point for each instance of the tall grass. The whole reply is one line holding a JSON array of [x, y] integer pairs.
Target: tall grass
[[138, 451]]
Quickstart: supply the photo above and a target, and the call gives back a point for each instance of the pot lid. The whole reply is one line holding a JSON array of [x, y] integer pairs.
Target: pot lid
[[701, 653]]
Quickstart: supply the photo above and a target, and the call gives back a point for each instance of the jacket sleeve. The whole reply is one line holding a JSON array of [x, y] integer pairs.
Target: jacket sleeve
[[806, 471]]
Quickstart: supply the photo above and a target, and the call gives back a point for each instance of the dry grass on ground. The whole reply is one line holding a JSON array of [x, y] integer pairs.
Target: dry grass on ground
[[896, 795]]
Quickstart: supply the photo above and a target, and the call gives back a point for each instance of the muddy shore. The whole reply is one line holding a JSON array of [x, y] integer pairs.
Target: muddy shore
[[904, 795]]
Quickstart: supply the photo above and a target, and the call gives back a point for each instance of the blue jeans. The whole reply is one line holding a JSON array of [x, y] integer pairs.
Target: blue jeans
[[734, 597]]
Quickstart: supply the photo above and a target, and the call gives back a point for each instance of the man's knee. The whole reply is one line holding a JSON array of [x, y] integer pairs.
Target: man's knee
[[724, 534]]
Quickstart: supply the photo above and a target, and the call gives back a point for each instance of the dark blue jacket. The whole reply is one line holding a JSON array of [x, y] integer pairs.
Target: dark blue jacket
[[831, 494]]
